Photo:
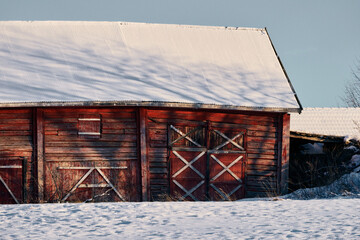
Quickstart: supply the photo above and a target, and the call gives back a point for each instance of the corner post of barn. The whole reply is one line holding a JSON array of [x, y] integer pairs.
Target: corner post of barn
[[143, 155], [39, 159], [284, 153]]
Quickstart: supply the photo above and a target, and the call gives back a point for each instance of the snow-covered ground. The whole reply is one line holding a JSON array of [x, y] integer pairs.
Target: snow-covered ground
[[330, 212], [246, 219]]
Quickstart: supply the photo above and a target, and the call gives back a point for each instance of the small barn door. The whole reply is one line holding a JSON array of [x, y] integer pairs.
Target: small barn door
[[187, 161], [227, 158], [206, 163]]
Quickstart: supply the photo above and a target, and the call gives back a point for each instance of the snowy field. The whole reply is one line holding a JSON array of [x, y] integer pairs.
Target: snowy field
[[329, 212], [246, 219]]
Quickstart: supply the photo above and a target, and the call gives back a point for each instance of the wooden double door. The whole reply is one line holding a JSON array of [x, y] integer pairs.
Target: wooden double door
[[207, 161]]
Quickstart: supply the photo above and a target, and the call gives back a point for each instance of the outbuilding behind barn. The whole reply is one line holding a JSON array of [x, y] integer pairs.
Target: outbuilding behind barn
[[117, 111]]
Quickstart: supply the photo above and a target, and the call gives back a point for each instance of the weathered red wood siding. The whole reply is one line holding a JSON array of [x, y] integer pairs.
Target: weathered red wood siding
[[262, 147], [57, 156], [16, 146], [64, 148]]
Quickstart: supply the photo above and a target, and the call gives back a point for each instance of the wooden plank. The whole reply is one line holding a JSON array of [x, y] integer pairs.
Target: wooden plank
[[157, 144], [90, 159], [260, 173], [14, 121], [74, 110], [61, 126], [15, 127], [90, 150], [256, 161], [259, 145], [70, 114], [261, 167], [18, 148], [261, 184], [160, 152], [39, 145], [249, 125], [13, 153], [90, 155], [252, 133], [93, 144], [260, 118], [120, 125], [161, 159], [157, 126], [158, 175], [158, 135], [155, 182], [16, 138], [261, 179], [119, 120], [261, 151], [15, 133], [15, 143], [105, 137], [262, 156], [120, 131], [158, 164], [17, 111], [158, 170], [145, 178], [262, 140]]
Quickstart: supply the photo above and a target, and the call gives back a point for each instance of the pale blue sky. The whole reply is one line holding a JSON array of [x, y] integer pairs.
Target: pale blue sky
[[317, 41]]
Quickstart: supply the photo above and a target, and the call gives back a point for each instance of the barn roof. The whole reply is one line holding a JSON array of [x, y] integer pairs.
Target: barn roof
[[54, 63], [337, 122]]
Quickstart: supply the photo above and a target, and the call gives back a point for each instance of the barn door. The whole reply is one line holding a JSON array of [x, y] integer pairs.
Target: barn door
[[12, 180], [206, 163], [226, 158], [187, 161], [95, 182], [90, 155]]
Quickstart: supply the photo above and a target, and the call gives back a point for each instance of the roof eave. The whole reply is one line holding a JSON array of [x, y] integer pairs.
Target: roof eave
[[145, 104]]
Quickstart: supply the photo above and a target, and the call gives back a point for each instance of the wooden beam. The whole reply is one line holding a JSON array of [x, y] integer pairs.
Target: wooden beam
[[285, 153], [143, 155], [39, 146]]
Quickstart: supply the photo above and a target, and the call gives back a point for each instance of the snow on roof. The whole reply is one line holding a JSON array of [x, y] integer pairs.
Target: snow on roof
[[341, 122], [55, 61]]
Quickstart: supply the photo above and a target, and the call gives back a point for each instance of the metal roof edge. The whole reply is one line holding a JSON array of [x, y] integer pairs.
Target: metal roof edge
[[145, 104], [286, 75], [142, 23]]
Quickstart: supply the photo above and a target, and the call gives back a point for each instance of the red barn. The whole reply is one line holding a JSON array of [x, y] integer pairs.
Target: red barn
[[115, 111]]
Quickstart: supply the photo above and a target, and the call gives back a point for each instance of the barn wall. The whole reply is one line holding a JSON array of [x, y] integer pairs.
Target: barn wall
[[134, 138], [262, 147], [16, 155], [66, 151]]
